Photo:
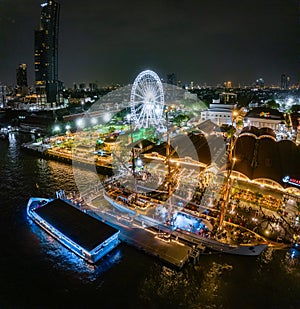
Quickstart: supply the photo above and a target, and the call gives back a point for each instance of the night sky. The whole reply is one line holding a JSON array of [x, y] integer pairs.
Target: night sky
[[199, 40]]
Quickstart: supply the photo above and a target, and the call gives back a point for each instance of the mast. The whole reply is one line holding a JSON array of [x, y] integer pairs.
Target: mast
[[133, 160], [133, 170], [230, 164], [168, 154]]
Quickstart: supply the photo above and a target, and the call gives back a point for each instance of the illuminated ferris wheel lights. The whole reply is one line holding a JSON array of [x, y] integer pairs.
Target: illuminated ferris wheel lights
[[147, 100]]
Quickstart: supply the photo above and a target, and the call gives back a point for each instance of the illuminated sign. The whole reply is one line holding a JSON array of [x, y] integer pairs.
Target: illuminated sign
[[264, 114], [292, 181], [44, 4]]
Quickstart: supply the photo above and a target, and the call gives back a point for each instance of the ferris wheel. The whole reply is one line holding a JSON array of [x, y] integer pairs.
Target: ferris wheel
[[147, 100]]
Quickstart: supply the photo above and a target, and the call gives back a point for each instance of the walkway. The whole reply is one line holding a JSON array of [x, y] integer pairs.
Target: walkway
[[134, 233]]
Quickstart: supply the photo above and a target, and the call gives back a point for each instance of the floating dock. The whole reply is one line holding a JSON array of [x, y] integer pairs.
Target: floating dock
[[83, 234]]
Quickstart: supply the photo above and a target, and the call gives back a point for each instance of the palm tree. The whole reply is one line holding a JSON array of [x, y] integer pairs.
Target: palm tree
[[239, 115]]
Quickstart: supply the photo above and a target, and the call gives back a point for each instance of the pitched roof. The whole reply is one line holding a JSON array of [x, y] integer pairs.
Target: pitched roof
[[264, 112]]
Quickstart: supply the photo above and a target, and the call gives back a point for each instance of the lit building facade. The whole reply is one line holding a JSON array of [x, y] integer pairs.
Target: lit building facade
[[46, 54], [264, 118], [220, 110], [228, 84], [3, 100], [285, 82]]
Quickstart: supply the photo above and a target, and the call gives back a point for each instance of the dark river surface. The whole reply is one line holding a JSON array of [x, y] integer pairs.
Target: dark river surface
[[36, 271]]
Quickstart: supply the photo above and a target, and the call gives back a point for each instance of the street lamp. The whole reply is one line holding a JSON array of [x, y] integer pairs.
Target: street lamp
[[56, 129], [68, 127], [94, 121], [106, 117], [139, 162], [79, 122]]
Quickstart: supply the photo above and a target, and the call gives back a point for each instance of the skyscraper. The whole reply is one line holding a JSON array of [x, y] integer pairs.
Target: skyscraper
[[22, 85], [46, 53], [285, 82], [3, 101], [171, 79]]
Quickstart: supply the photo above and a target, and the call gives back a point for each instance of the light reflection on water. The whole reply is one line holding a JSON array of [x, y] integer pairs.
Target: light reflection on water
[[52, 176], [267, 256], [290, 262], [225, 281], [189, 287]]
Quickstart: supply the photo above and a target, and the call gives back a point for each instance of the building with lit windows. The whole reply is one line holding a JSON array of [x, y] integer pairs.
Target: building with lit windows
[[262, 117], [220, 110], [22, 85], [285, 82], [46, 54], [3, 100], [228, 84]]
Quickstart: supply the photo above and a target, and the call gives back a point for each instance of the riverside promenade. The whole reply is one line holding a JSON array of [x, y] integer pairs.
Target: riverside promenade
[[47, 152]]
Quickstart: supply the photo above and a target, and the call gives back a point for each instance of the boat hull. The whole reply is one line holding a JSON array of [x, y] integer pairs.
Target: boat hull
[[210, 244], [247, 250], [118, 206]]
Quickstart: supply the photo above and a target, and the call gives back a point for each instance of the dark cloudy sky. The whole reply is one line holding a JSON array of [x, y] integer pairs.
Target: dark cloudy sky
[[205, 41]]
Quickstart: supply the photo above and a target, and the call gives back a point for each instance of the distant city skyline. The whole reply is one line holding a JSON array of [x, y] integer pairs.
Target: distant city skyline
[[205, 42]]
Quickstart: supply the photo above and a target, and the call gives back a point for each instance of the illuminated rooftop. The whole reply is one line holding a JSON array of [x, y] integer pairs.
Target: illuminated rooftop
[[80, 227]]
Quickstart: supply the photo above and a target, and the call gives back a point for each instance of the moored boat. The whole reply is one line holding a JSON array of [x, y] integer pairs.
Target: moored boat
[[185, 226], [81, 233], [130, 194]]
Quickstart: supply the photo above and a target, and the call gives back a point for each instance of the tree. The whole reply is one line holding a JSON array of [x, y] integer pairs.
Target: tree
[[287, 119], [298, 205], [111, 129], [179, 119], [272, 104]]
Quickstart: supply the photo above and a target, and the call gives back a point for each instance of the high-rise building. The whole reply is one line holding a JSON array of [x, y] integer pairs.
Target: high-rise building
[[285, 81], [82, 86], [288, 82], [228, 84], [3, 100], [171, 79], [46, 53], [228, 98], [22, 85], [93, 86], [260, 82]]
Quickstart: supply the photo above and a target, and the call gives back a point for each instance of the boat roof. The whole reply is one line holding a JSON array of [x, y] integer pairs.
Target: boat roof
[[80, 227]]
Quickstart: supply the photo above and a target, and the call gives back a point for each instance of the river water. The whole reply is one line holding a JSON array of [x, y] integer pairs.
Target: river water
[[36, 271]]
